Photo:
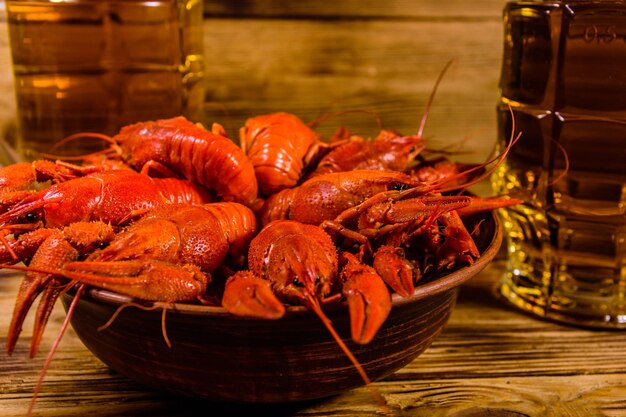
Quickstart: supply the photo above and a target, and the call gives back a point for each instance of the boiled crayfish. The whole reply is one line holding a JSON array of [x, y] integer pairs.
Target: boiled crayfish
[[301, 265], [298, 263], [167, 255], [177, 147], [171, 213], [281, 147]]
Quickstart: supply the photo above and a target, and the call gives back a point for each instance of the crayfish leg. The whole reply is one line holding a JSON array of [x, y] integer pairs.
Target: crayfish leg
[[158, 168], [49, 296], [145, 279], [24, 246], [247, 295], [53, 253]]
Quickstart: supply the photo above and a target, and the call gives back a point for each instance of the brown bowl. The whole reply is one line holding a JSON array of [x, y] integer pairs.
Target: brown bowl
[[220, 357]]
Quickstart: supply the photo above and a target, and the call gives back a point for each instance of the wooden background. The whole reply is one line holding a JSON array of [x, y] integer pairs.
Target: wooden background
[[314, 57]]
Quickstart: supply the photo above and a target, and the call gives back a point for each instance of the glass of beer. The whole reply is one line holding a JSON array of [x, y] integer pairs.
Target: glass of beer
[[564, 85], [98, 65]]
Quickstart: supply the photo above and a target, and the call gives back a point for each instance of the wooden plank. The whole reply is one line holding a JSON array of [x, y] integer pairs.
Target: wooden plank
[[357, 9], [310, 58], [483, 10], [571, 396]]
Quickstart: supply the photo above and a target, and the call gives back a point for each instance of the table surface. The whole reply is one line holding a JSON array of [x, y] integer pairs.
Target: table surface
[[491, 360]]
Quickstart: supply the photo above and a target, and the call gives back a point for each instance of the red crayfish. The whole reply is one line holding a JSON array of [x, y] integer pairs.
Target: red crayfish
[[54, 228], [178, 147], [295, 262], [167, 255], [280, 147]]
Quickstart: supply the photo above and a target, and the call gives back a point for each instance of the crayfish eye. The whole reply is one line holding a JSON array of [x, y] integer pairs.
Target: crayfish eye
[[297, 283], [32, 217], [318, 279], [102, 245]]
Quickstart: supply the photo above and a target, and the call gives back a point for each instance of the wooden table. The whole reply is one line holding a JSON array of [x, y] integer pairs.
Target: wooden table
[[491, 360]]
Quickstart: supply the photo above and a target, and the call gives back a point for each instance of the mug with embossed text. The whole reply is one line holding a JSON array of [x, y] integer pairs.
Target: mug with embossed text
[[564, 77]]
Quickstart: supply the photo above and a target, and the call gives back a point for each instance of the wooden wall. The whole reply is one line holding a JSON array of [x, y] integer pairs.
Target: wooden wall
[[313, 57]]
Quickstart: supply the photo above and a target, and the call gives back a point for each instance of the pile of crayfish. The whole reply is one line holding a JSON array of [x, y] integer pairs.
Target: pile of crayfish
[[170, 211]]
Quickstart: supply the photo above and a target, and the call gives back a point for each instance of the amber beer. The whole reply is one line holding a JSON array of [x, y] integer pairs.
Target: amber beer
[[97, 65], [564, 77]]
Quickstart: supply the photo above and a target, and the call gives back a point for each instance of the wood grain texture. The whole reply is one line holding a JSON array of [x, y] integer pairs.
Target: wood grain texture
[[353, 9], [390, 68], [313, 58]]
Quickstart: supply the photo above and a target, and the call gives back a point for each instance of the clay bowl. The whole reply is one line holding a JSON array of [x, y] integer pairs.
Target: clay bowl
[[219, 357]]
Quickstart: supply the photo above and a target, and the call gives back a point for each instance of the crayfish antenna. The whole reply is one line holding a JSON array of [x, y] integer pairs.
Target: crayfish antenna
[[46, 366], [324, 117], [566, 163], [113, 149], [315, 306], [497, 161], [155, 306], [431, 98]]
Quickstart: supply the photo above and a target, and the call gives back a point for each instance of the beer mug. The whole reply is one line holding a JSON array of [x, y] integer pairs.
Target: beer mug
[[98, 65], [563, 78]]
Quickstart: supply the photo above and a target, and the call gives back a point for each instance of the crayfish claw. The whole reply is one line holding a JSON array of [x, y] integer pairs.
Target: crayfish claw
[[395, 269], [369, 301], [247, 295]]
